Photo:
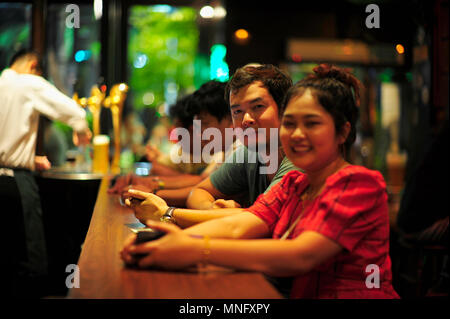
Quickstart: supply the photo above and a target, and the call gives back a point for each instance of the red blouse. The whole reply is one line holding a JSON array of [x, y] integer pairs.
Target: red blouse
[[352, 211]]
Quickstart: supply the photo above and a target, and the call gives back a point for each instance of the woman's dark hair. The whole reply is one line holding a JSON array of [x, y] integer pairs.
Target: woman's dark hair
[[332, 86], [275, 80]]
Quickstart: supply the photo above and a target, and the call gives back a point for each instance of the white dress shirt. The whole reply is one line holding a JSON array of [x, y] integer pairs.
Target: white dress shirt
[[23, 97]]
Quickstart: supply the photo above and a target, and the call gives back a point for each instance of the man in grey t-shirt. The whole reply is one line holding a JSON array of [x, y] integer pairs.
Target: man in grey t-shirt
[[254, 94], [243, 181]]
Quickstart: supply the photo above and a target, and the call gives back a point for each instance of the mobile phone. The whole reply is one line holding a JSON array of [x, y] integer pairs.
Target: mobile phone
[[144, 235], [142, 168], [147, 234]]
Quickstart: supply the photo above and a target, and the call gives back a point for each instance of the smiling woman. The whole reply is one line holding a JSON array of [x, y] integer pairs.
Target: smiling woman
[[308, 135]]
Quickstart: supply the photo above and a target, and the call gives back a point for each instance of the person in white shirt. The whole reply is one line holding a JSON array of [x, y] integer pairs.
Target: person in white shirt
[[25, 95]]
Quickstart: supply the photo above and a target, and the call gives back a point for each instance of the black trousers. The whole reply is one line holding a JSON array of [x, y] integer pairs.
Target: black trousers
[[24, 262]]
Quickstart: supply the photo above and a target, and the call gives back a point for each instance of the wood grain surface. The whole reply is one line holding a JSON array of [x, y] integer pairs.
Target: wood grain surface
[[103, 274]]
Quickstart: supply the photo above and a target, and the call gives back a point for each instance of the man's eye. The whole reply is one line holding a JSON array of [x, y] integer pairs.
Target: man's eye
[[310, 124], [236, 112]]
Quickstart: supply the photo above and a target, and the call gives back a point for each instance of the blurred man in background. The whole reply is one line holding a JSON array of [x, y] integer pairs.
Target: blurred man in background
[[25, 95]]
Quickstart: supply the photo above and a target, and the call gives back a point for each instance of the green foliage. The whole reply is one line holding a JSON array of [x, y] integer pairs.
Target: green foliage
[[12, 37], [167, 43], [201, 66]]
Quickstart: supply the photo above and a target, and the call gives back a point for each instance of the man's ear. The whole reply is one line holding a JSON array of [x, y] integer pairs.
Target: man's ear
[[33, 67]]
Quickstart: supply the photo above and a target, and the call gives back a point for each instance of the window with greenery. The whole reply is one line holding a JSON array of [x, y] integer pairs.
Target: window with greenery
[[162, 51], [15, 26]]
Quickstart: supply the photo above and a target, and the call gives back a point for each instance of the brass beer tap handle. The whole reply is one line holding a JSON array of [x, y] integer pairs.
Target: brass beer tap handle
[[114, 102], [94, 104]]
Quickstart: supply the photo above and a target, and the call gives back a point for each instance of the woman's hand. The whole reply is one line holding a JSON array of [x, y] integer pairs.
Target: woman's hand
[[146, 205], [175, 250]]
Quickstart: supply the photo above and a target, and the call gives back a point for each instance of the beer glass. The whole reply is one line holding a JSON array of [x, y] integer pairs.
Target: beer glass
[[100, 162]]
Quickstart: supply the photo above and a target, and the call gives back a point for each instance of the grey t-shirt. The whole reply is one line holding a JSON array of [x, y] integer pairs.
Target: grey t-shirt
[[237, 177]]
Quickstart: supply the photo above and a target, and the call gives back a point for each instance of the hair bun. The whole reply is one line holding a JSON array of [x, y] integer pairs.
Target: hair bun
[[331, 71], [343, 75]]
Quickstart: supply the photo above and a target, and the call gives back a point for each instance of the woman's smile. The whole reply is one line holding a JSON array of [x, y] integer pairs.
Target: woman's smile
[[300, 149]]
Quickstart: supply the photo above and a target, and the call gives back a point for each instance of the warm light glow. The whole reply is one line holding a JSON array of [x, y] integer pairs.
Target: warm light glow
[[207, 12], [98, 9], [220, 12], [241, 34], [400, 49], [347, 49]]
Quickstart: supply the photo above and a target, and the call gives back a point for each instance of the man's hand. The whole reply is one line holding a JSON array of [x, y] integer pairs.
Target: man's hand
[[125, 194], [151, 153], [120, 184], [146, 205], [41, 163], [222, 203], [82, 138]]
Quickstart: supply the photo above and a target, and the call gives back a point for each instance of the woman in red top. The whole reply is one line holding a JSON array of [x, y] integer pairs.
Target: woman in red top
[[329, 226]]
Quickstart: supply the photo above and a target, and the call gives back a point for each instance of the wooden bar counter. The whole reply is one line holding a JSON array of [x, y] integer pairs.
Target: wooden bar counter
[[103, 274]]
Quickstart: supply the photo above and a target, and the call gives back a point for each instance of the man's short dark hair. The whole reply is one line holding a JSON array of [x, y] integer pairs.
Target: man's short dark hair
[[179, 111], [273, 79], [27, 54], [209, 98]]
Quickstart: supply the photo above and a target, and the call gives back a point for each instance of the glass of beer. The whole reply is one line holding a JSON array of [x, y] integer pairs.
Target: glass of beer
[[100, 162]]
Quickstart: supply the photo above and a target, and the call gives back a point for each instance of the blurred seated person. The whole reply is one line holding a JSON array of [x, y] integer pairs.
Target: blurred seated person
[[132, 134], [208, 107], [161, 163], [326, 224]]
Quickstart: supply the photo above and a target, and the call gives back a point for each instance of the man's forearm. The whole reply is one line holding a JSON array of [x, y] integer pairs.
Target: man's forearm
[[200, 199], [163, 170], [180, 181], [175, 197]]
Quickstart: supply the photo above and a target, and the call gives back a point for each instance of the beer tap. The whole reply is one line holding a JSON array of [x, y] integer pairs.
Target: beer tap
[[94, 104], [114, 102]]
